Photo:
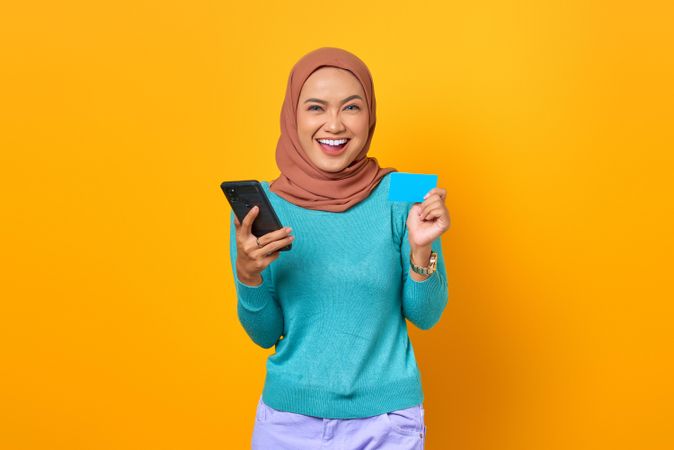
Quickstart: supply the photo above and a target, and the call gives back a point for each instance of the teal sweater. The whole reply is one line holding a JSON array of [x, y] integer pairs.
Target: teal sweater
[[335, 307]]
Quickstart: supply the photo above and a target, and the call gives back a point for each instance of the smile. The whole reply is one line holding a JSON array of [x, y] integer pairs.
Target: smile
[[333, 146]]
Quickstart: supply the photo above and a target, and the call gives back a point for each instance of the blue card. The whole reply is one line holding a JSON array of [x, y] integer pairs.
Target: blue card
[[410, 187]]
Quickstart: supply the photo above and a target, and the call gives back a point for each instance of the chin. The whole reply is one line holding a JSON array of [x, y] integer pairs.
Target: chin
[[331, 168]]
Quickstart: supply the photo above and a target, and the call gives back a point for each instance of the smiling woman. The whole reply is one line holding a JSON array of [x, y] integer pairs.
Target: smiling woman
[[334, 307]]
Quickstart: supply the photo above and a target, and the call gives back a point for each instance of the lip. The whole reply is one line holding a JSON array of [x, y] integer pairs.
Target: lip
[[328, 151]]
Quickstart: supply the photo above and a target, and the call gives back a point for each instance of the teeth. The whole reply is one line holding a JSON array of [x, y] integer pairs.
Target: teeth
[[332, 142]]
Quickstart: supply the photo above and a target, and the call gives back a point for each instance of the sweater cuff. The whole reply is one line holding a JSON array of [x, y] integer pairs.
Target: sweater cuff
[[253, 298], [427, 288]]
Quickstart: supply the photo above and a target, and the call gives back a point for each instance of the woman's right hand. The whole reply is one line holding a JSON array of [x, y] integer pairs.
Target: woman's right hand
[[251, 260]]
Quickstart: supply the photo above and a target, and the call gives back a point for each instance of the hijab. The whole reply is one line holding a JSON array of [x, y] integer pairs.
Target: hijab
[[303, 183]]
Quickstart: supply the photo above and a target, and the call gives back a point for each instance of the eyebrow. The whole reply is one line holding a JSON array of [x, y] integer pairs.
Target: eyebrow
[[325, 103]]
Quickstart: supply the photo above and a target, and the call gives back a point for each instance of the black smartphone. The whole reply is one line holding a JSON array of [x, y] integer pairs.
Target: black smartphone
[[242, 196]]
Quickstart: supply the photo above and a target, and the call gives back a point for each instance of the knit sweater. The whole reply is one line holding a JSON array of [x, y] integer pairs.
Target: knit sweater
[[334, 307]]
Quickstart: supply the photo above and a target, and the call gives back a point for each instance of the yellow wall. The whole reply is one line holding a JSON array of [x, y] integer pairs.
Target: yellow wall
[[549, 123]]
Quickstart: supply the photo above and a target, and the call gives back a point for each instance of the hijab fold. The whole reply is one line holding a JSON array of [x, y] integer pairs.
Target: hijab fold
[[303, 183]]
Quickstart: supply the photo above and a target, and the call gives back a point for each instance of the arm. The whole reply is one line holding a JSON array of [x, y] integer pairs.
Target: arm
[[257, 309], [424, 296]]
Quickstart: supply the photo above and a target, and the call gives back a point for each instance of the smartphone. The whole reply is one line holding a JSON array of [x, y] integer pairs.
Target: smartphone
[[242, 196]]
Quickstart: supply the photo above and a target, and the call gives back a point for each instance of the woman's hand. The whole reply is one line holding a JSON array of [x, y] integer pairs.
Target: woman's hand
[[252, 259], [426, 221]]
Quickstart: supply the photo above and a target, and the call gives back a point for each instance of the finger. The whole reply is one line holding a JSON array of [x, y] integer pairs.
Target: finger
[[274, 235], [429, 193], [436, 190], [432, 199], [431, 202], [439, 192], [272, 247], [237, 224], [248, 220], [276, 245], [432, 213], [270, 258]]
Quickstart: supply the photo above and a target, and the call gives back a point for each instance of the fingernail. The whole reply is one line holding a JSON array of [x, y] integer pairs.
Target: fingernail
[[288, 229], [426, 196], [292, 238]]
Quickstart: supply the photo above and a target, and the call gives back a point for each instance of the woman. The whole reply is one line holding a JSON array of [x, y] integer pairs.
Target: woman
[[344, 373]]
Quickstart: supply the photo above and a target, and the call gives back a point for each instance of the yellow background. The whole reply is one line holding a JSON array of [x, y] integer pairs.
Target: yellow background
[[549, 123]]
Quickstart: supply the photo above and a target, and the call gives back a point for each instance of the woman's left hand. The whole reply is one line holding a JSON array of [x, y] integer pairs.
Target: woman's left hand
[[428, 220]]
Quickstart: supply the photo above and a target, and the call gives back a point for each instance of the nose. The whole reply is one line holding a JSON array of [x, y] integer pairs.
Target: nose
[[334, 123]]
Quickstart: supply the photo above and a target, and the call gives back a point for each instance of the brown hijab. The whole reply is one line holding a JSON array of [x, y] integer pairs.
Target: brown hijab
[[303, 183]]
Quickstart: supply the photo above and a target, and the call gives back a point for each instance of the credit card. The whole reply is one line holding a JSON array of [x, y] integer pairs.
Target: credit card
[[410, 187]]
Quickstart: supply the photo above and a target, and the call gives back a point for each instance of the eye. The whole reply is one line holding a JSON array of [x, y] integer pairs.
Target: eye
[[355, 106], [313, 106]]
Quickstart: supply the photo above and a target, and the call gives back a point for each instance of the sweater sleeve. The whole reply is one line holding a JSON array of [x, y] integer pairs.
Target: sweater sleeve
[[258, 310], [423, 302]]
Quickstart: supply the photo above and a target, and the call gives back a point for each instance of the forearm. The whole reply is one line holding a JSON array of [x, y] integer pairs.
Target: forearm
[[264, 325], [259, 312], [425, 296]]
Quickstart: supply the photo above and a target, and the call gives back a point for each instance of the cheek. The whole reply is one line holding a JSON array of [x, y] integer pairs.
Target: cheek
[[305, 129], [360, 127], [306, 122]]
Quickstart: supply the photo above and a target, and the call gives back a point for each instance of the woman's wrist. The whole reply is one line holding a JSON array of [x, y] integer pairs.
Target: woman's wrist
[[250, 281], [254, 279], [421, 257]]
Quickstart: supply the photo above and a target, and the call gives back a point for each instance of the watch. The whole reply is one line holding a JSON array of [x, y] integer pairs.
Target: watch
[[432, 265]]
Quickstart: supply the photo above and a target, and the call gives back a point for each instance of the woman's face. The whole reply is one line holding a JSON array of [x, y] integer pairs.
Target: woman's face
[[332, 107]]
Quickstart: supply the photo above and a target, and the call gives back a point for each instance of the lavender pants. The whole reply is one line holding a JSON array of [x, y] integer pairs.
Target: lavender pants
[[403, 429]]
